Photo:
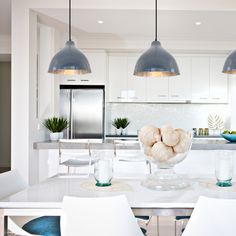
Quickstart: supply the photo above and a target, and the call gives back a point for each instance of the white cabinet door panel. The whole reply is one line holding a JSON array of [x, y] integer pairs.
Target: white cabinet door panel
[[218, 81], [136, 85], [157, 89], [118, 79], [180, 86], [200, 79], [97, 61]]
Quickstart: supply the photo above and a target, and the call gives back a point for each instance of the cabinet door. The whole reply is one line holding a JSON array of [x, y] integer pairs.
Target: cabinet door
[[218, 81], [97, 61], [157, 89], [180, 86], [117, 78], [200, 79], [136, 84]]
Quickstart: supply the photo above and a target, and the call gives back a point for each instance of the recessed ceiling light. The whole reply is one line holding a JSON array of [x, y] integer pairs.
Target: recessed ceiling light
[[198, 23], [100, 22]]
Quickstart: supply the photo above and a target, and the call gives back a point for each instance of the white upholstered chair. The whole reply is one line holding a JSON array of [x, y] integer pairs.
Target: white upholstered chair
[[98, 216], [212, 217]]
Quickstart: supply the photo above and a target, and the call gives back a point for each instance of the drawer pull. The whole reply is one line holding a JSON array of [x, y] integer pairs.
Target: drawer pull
[[71, 80], [84, 80]]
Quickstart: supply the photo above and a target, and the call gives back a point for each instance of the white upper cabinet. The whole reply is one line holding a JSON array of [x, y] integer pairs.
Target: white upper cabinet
[[200, 79], [180, 86], [157, 89], [98, 65], [117, 78], [136, 85], [218, 80]]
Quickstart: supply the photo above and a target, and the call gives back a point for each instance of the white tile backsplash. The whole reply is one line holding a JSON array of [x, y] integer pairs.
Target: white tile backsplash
[[186, 116]]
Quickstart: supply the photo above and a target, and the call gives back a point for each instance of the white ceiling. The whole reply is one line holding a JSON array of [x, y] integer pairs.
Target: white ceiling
[[130, 24], [176, 22]]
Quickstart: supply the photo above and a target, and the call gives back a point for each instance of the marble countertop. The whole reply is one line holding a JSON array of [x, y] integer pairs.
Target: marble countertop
[[198, 144], [137, 195]]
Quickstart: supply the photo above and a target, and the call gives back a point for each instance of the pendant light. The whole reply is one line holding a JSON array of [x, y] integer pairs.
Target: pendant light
[[69, 60], [156, 61], [230, 63]]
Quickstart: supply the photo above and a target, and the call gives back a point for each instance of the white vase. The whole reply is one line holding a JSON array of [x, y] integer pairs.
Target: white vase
[[119, 131], [124, 131], [61, 135], [54, 136]]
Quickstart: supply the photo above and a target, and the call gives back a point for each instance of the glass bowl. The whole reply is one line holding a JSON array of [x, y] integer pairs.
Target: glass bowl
[[165, 178]]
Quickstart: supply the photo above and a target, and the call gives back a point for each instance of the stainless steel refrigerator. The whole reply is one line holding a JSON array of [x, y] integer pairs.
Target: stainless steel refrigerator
[[84, 107]]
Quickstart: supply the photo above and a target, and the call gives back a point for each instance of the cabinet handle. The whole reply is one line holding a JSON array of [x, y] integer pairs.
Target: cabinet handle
[[84, 80], [216, 98], [71, 80], [121, 97], [162, 96], [174, 96], [203, 98]]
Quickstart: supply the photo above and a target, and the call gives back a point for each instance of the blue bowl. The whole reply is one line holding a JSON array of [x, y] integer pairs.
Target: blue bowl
[[229, 137]]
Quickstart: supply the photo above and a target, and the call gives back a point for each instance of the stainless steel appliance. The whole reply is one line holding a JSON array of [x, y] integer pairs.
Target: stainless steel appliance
[[83, 106]]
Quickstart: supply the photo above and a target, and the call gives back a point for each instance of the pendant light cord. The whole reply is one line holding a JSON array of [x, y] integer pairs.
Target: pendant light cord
[[156, 20], [69, 20]]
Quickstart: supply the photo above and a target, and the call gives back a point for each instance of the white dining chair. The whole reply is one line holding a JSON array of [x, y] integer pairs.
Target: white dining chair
[[104, 216], [11, 182], [131, 159], [130, 153], [212, 217], [73, 158]]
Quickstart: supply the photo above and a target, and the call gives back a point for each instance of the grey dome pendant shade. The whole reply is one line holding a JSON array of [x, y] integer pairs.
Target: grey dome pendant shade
[[69, 60], [230, 63], [156, 61]]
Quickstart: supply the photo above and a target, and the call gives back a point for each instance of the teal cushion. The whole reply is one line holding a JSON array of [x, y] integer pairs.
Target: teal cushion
[[45, 226], [182, 217]]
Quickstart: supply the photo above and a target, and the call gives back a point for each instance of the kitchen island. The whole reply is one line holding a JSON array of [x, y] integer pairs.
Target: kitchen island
[[201, 158]]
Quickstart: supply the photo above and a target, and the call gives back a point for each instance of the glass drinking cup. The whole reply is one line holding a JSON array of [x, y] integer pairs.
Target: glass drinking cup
[[103, 167], [224, 168]]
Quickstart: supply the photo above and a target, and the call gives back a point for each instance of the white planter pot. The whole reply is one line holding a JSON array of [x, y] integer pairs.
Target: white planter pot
[[119, 131], [61, 135], [54, 136]]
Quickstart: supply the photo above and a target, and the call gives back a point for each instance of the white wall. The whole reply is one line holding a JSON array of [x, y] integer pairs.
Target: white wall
[[26, 123]]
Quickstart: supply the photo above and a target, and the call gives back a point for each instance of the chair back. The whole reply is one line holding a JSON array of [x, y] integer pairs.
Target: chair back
[[130, 159], [11, 182], [98, 216], [212, 217]]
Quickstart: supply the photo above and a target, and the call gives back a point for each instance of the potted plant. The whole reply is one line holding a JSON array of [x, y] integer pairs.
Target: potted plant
[[56, 125], [120, 124]]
